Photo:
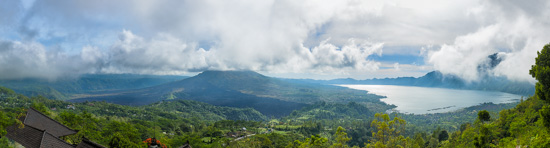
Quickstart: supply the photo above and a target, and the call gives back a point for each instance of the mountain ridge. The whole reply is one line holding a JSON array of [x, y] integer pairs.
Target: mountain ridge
[[440, 80], [63, 89], [271, 96]]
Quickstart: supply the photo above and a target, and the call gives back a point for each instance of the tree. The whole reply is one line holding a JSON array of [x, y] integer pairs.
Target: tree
[[483, 115], [315, 141], [433, 143], [388, 131], [119, 141], [443, 135], [541, 72], [5, 121], [418, 140], [482, 140], [41, 107], [341, 138], [545, 114]]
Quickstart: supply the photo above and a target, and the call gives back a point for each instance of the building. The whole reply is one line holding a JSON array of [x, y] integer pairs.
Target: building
[[40, 131]]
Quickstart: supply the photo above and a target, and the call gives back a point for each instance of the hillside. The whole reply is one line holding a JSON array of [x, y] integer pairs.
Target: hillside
[[271, 96], [101, 122], [66, 88]]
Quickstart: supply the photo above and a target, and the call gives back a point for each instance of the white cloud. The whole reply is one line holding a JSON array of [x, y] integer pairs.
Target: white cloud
[[273, 36], [32, 60], [516, 30], [165, 54], [396, 66]]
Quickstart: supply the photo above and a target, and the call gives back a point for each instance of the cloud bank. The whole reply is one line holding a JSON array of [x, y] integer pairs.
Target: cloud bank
[[51, 39], [513, 29]]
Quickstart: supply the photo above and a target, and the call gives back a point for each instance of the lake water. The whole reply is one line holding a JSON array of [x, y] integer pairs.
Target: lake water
[[422, 100]]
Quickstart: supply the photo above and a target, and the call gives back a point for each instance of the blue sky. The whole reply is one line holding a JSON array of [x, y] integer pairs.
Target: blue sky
[[323, 39]]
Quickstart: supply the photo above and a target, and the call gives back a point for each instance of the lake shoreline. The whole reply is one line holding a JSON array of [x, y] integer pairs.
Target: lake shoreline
[[426, 100]]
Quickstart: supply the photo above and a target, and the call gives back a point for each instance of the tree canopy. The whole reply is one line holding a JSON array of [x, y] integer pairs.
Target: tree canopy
[[541, 72], [483, 115]]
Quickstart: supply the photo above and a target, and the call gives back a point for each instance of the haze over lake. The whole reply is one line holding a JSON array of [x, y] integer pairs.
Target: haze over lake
[[422, 100]]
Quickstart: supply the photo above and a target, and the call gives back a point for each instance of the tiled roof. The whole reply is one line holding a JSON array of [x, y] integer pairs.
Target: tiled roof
[[88, 144], [32, 137], [41, 131], [28, 136], [50, 140], [37, 119]]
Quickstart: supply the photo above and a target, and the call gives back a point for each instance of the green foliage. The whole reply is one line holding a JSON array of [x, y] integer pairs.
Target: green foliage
[[5, 121], [40, 107], [332, 111], [483, 115], [6, 91], [451, 121], [418, 140], [482, 140], [541, 72], [388, 131], [315, 141], [517, 127], [119, 141], [443, 135], [341, 138], [545, 114], [127, 126]]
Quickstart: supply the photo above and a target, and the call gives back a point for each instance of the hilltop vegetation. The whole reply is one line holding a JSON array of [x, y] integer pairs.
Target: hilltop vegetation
[[321, 124], [101, 122]]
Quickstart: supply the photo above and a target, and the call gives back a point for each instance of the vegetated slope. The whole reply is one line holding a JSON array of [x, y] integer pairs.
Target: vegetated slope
[[176, 109], [172, 122], [521, 126], [332, 111], [271, 96], [63, 89]]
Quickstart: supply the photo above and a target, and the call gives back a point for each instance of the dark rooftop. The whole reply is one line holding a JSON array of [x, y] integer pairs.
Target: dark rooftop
[[41, 131], [32, 137], [38, 120]]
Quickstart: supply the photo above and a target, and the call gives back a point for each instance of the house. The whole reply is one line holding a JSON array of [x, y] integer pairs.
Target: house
[[70, 106], [38, 131], [31, 137], [232, 134]]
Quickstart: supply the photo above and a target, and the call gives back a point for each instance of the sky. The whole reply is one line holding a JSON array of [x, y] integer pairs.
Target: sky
[[319, 39]]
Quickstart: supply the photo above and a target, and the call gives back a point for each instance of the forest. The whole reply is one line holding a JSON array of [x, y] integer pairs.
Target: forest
[[322, 124]]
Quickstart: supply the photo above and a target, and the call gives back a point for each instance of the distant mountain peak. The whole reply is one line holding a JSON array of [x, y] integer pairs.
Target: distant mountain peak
[[231, 75], [208, 72]]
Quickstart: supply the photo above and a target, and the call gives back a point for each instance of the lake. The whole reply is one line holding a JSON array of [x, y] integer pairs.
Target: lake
[[422, 100]]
